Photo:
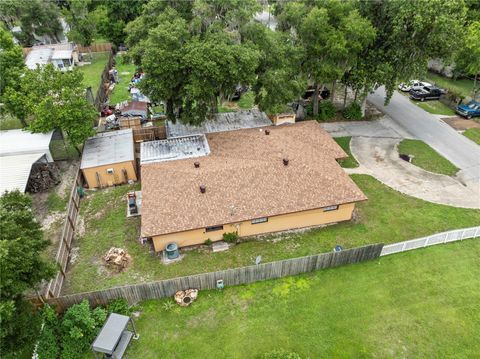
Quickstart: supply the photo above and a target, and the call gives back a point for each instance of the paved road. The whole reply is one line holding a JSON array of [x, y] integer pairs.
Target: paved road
[[383, 128], [379, 157], [455, 147]]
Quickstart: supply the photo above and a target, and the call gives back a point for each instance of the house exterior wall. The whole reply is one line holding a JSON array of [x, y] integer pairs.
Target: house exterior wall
[[107, 179], [246, 228]]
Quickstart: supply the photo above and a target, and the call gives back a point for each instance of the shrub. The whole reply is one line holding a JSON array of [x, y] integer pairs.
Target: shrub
[[119, 306], [79, 327], [353, 112], [167, 306], [208, 242], [48, 347], [231, 237], [326, 111], [280, 354]]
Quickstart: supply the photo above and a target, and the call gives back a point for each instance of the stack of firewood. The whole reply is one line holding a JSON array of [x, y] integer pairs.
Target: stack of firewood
[[43, 176]]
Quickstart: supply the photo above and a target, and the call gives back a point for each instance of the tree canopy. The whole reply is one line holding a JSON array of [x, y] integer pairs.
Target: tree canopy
[[11, 61], [21, 265], [52, 99]]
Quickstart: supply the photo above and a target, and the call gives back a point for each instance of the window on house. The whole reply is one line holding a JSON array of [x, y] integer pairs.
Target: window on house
[[66, 62], [330, 208], [259, 220], [213, 228]]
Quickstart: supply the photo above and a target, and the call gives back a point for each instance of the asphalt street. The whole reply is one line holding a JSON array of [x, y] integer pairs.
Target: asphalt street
[[462, 152]]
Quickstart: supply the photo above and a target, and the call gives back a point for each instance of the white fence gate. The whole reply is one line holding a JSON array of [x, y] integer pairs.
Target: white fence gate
[[439, 238]]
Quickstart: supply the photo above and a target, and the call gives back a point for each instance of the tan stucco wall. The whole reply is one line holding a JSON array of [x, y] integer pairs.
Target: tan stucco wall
[[107, 179], [246, 228]]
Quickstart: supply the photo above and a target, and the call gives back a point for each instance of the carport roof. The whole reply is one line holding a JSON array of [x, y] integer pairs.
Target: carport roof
[[15, 171]]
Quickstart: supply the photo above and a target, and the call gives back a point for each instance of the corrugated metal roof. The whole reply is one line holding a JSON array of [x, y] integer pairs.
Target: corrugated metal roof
[[40, 57], [16, 142], [62, 54], [174, 149], [107, 148], [15, 171], [222, 122]]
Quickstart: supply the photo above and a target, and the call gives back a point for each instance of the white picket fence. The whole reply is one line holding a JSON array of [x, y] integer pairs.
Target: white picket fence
[[439, 238]]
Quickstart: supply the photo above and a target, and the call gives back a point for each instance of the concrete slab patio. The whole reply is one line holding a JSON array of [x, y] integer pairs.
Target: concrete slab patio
[[379, 158]]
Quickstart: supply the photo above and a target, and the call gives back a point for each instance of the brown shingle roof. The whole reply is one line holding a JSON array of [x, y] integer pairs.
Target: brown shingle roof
[[245, 178]]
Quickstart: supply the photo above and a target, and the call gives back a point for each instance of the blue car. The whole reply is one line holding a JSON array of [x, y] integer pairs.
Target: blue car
[[469, 110]]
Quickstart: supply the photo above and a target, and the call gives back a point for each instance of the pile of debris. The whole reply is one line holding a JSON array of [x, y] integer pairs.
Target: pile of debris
[[43, 176], [117, 258], [185, 297]]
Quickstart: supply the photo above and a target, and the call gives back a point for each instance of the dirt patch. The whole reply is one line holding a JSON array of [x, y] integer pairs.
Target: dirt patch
[[461, 124], [52, 218]]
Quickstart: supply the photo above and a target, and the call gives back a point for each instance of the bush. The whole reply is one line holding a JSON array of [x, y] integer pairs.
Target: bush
[[280, 354], [208, 242], [119, 306], [353, 112], [48, 347], [326, 111], [80, 326], [231, 237]]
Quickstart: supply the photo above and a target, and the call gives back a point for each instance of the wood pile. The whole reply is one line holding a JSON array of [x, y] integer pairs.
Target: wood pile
[[117, 258], [43, 176], [185, 297]]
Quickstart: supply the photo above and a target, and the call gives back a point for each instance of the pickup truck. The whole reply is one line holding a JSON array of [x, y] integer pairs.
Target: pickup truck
[[413, 85], [469, 110], [426, 93]]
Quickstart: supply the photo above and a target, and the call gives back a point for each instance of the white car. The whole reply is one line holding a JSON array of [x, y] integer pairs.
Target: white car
[[413, 85]]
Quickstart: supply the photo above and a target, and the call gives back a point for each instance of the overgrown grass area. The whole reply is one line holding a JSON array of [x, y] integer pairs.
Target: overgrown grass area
[[9, 122], [126, 70], [246, 102], [461, 86], [436, 108], [426, 157], [92, 74], [344, 143], [419, 304], [473, 134], [388, 216]]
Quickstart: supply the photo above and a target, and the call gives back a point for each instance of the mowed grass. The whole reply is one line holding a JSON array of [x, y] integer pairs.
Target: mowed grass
[[461, 86], [473, 134], [419, 304], [426, 157], [92, 74], [388, 216], [436, 108], [344, 143], [126, 70]]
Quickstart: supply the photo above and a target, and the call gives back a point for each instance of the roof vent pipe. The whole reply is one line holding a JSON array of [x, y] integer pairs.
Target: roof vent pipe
[[203, 189], [267, 132], [285, 161], [196, 164]]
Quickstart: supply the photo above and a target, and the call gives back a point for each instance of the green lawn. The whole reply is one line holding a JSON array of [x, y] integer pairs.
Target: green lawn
[[426, 157], [388, 216], [419, 304], [350, 162], [246, 102], [125, 72], [435, 107], [92, 74], [462, 86], [473, 134]]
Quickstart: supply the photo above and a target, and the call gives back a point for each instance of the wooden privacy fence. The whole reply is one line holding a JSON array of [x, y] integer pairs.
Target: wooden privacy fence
[[54, 287], [102, 94], [101, 47], [439, 238], [243, 275]]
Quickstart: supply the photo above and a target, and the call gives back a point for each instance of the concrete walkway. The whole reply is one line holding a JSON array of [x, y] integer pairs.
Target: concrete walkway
[[379, 158], [458, 149], [385, 128]]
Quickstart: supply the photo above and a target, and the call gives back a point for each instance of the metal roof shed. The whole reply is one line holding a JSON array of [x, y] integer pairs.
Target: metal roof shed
[[114, 337]]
